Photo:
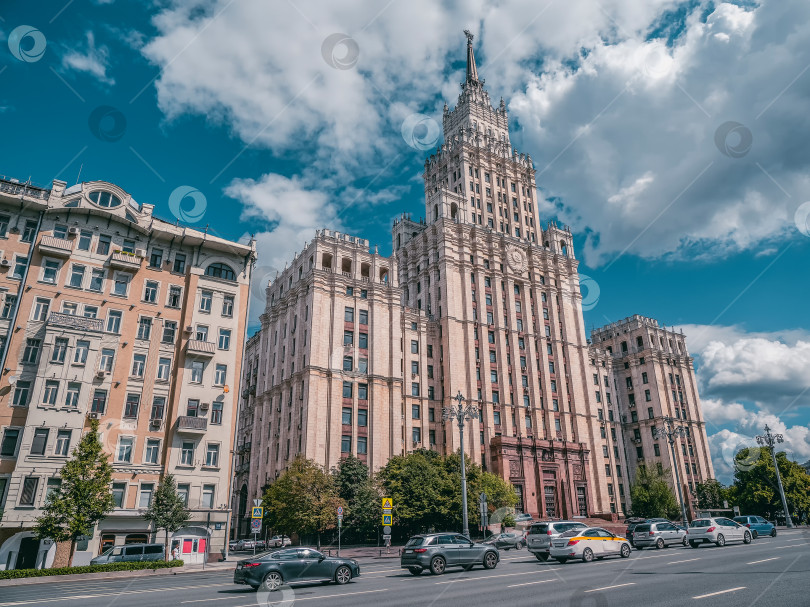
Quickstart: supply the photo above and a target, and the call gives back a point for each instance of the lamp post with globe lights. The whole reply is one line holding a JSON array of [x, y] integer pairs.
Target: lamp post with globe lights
[[769, 440], [670, 432], [461, 415]]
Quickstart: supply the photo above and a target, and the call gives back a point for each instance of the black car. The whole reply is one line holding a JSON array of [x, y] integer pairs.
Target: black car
[[291, 566], [438, 551]]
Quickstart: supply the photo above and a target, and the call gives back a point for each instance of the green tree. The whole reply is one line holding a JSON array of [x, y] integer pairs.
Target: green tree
[[358, 489], [711, 494], [652, 496], [84, 496], [756, 491], [303, 499], [167, 510]]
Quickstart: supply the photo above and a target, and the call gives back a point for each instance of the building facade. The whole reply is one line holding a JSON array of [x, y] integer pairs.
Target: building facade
[[359, 353], [113, 314]]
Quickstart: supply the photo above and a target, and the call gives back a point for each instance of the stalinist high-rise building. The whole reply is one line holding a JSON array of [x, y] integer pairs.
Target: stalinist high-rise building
[[358, 352]]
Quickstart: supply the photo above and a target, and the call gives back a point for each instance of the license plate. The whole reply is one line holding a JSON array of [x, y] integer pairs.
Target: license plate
[[408, 551], [239, 566]]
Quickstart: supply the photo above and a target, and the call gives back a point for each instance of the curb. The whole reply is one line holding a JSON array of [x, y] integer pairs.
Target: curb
[[101, 575]]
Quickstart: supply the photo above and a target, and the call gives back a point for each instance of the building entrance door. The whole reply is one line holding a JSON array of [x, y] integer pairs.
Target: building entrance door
[[582, 501], [27, 558], [551, 501]]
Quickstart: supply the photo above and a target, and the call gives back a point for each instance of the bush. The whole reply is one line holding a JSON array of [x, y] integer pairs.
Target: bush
[[20, 573]]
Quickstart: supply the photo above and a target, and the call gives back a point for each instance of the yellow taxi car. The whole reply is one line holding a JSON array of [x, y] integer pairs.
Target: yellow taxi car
[[588, 544]]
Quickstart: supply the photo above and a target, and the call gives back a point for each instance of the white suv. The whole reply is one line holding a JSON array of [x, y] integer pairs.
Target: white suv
[[717, 531]]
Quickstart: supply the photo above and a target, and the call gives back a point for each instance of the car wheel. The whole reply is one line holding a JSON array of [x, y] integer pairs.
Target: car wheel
[[437, 565], [562, 560], [625, 551], [659, 544], [541, 556], [721, 541], [272, 581], [490, 560], [747, 538], [693, 543], [685, 542], [587, 555], [773, 532], [755, 534], [415, 570], [343, 575]]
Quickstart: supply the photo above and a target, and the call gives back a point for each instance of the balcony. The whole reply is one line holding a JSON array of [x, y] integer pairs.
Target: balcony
[[51, 245], [71, 321], [196, 347], [187, 424], [125, 261]]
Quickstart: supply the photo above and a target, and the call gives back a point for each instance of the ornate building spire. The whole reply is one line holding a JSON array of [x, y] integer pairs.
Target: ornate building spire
[[472, 70]]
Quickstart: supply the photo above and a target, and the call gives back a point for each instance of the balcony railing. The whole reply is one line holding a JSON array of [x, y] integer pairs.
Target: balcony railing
[[71, 321], [11, 187], [201, 348], [189, 423], [56, 246], [130, 261]]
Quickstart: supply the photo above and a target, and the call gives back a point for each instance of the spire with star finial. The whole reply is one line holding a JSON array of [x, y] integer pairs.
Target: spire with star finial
[[472, 70]]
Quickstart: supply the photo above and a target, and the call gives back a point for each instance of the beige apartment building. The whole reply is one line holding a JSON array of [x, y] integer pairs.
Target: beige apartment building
[[111, 313], [358, 353]]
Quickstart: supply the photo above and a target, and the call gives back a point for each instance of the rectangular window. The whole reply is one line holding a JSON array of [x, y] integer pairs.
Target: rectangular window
[[145, 499], [20, 263], [227, 305], [362, 444], [348, 315], [103, 245], [138, 365], [206, 297], [216, 413], [212, 455], [415, 411], [60, 347], [99, 403], [106, 360], [118, 492], [152, 451], [220, 374], [363, 320], [347, 389], [81, 351], [174, 296], [346, 416], [72, 395], [9, 303], [132, 404], [144, 328], [114, 321], [362, 417], [4, 220], [76, 276], [346, 444], [192, 407], [124, 451], [201, 334], [362, 391], [156, 258], [362, 341], [179, 263], [224, 339], [197, 369], [51, 391], [150, 291], [158, 407], [8, 448], [41, 306], [169, 331], [496, 417], [414, 347], [415, 389], [29, 491], [96, 279], [50, 269], [121, 284], [208, 496], [187, 453]]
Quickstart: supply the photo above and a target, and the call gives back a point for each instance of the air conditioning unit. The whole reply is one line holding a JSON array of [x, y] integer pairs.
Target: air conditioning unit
[[92, 415], [73, 231], [5, 263], [189, 329], [140, 252], [204, 406], [100, 374], [155, 423]]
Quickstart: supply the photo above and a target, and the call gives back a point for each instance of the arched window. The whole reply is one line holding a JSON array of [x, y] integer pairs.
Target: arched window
[[435, 212], [104, 199], [453, 211], [220, 270], [564, 248]]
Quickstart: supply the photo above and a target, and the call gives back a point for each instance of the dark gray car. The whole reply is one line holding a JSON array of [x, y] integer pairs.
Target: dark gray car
[[293, 565], [438, 551], [507, 541], [539, 537]]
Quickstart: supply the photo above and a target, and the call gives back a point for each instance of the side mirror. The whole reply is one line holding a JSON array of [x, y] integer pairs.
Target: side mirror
[[321, 558]]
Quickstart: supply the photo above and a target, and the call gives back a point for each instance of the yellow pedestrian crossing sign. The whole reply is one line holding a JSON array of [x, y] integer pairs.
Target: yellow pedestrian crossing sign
[[387, 503], [386, 520], [257, 512]]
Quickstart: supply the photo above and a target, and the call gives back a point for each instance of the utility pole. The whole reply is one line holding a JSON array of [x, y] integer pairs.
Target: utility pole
[[461, 414], [669, 432], [769, 440]]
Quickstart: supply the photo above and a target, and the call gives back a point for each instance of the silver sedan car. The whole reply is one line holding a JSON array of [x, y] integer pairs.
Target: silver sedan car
[[588, 544]]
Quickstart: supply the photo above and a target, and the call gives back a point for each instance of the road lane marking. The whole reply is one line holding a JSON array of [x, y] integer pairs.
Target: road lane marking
[[774, 558], [705, 596], [685, 561], [326, 596], [486, 577], [530, 583], [76, 597], [612, 587]]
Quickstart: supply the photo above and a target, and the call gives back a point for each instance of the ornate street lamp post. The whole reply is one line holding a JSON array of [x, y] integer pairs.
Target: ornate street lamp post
[[669, 432], [461, 414], [769, 440]]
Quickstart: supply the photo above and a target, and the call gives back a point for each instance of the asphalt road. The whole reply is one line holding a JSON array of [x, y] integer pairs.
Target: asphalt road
[[768, 572]]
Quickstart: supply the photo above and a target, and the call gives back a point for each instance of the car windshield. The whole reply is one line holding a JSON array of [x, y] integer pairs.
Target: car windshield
[[279, 554], [701, 523], [643, 527], [572, 532], [415, 541], [538, 529], [741, 519]]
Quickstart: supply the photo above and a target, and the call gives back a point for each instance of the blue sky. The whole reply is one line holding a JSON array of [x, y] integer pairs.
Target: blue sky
[[671, 136]]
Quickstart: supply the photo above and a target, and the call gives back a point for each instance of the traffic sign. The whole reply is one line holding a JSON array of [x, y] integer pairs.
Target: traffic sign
[[340, 510], [387, 504], [257, 502], [386, 536], [257, 512], [387, 530], [255, 525], [387, 520]]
